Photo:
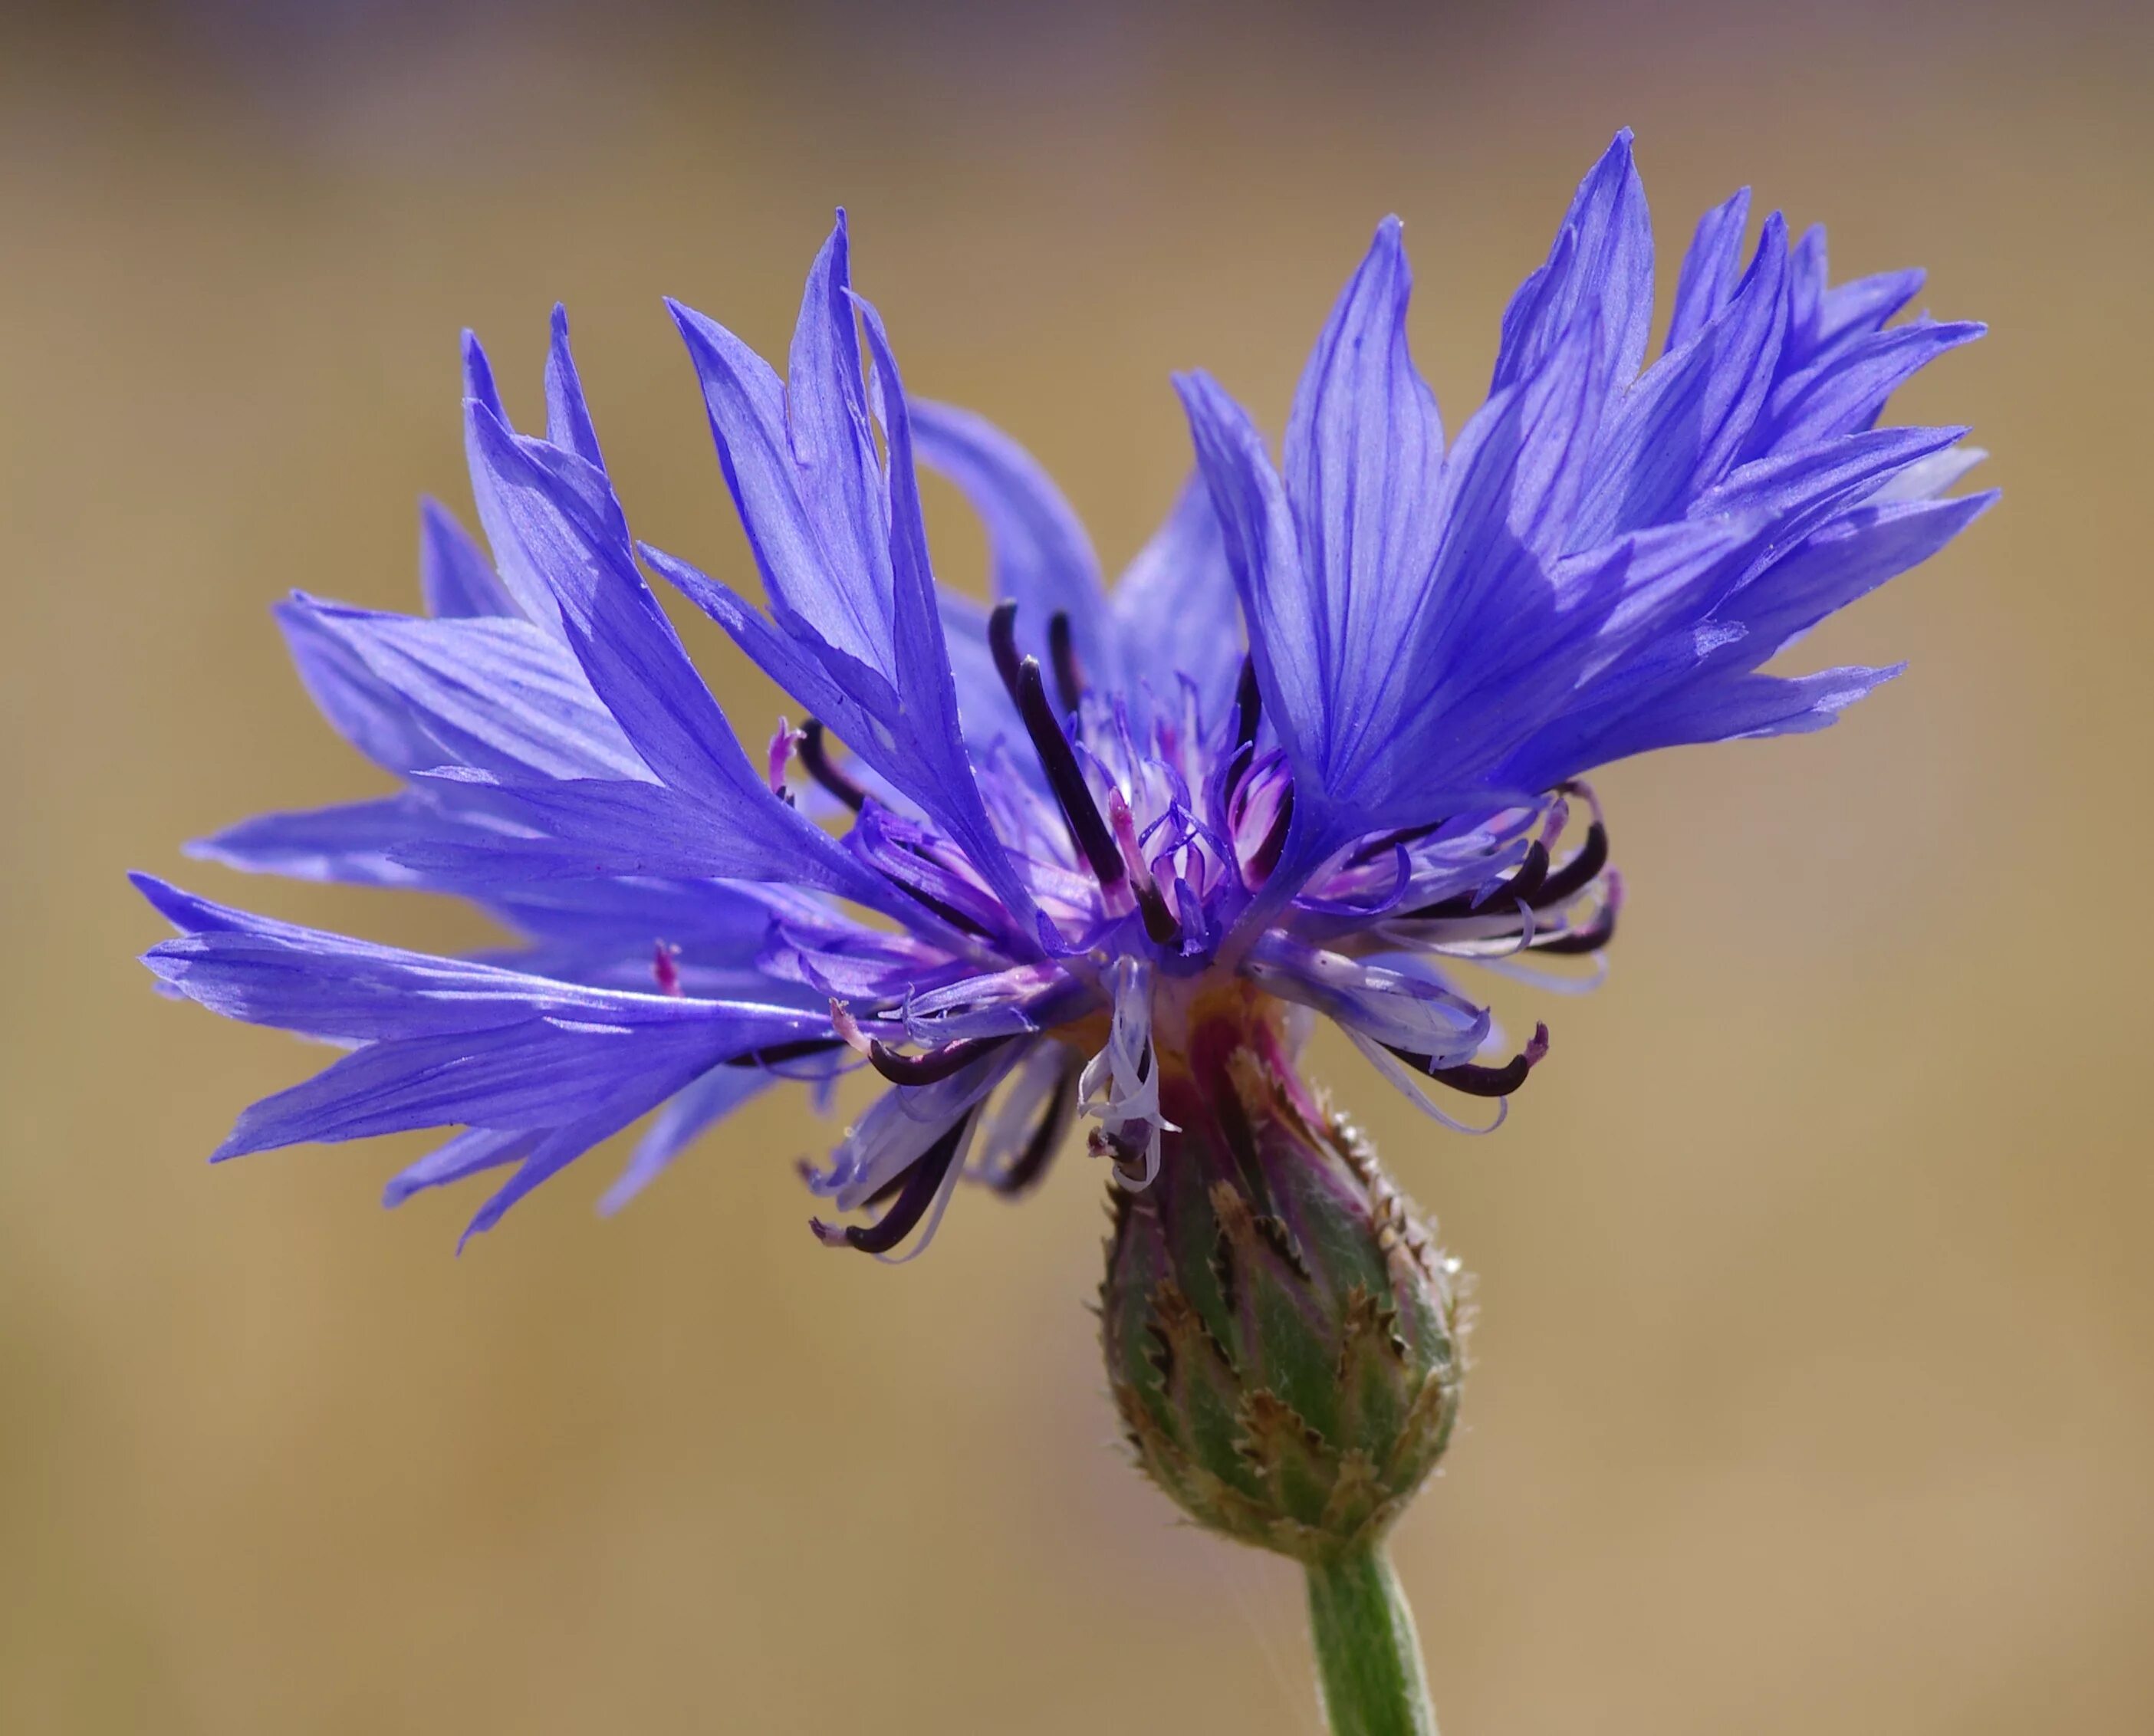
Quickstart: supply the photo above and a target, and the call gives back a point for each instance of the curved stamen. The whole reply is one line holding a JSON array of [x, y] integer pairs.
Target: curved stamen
[[922, 1181], [1591, 938], [1479, 1082], [1525, 881], [815, 756], [1249, 708], [948, 912], [1267, 858], [770, 1055], [1087, 830], [1248, 704], [1522, 884], [1384, 841], [937, 1064], [1062, 653], [1046, 1139], [1160, 921], [1001, 642], [1577, 874]]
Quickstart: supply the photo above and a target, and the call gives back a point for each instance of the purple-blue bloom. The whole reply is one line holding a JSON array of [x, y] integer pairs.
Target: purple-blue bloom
[[1325, 737]]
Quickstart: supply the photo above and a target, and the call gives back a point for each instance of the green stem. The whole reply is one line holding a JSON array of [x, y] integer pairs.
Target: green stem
[[1368, 1658]]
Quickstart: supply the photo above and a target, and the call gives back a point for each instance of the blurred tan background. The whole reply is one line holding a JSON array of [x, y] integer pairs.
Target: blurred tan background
[[1814, 1390]]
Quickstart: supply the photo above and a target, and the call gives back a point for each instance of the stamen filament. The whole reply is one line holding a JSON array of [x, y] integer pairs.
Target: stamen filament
[[1248, 708], [1268, 852], [1577, 874], [1046, 1138], [937, 1064], [1526, 882], [923, 1182], [1062, 653], [1087, 830], [1477, 1080], [1001, 642], [773, 1053], [815, 757], [1523, 883], [1248, 704], [1589, 939], [1160, 920]]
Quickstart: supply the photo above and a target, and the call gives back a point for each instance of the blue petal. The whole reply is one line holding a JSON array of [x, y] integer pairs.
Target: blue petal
[[525, 582], [1808, 283], [1734, 705], [455, 577], [929, 697], [1257, 530], [864, 650], [1845, 390], [1456, 681], [1040, 557], [1175, 611], [1364, 449], [498, 694], [568, 417], [563, 1145], [559, 511], [719, 923], [1628, 627], [540, 1072], [470, 1153], [1850, 311], [578, 828], [360, 706], [984, 707], [1799, 484], [1405, 733], [326, 985], [1397, 1010], [685, 1119], [1601, 268], [831, 428], [1681, 427], [560, 514], [1845, 561], [353, 841], [1710, 269], [816, 593]]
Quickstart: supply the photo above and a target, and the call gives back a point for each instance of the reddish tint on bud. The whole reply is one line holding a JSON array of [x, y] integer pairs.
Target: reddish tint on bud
[[1282, 1333]]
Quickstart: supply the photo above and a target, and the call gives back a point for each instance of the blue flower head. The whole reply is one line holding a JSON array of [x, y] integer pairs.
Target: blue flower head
[[1323, 742]]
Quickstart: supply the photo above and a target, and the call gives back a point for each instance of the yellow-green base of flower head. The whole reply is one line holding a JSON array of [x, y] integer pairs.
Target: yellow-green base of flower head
[[1282, 1333]]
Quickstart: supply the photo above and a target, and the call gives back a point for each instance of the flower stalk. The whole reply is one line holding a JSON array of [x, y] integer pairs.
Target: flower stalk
[[1368, 1656]]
